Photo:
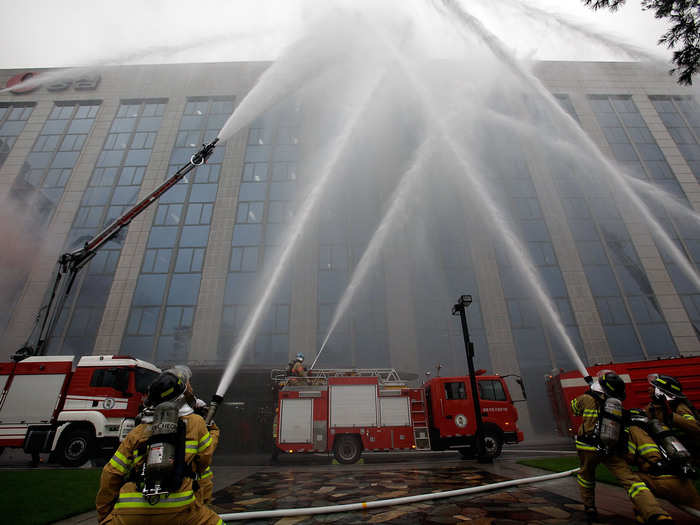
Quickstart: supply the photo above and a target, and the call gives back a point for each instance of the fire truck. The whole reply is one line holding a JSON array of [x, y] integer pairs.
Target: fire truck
[[47, 405], [562, 386], [350, 411]]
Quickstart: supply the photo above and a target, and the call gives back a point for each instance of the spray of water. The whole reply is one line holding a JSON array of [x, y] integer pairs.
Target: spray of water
[[454, 8], [519, 255], [301, 62], [554, 20], [296, 229], [398, 202]]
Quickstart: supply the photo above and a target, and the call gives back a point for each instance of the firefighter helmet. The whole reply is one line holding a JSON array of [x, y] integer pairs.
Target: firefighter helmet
[[166, 387], [612, 384], [299, 357], [182, 371], [669, 386]]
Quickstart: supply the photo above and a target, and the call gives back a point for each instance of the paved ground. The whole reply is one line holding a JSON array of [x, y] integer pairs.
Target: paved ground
[[314, 481]]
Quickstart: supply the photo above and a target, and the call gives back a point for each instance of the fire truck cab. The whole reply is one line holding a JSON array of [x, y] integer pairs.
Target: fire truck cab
[[348, 411], [46, 405]]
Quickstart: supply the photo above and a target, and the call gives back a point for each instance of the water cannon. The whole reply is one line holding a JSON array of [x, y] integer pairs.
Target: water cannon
[[203, 154], [213, 407]]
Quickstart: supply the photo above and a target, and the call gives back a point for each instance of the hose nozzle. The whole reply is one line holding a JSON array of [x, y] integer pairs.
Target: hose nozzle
[[203, 154], [588, 379], [213, 407]]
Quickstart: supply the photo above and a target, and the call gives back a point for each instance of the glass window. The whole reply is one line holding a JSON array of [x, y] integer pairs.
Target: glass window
[[116, 378], [455, 390], [491, 390]]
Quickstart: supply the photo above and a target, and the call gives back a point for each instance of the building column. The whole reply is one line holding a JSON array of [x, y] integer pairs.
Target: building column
[[494, 312], [595, 344], [210, 303]]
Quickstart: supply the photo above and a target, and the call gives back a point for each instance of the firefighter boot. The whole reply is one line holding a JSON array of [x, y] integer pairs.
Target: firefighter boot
[[591, 514]]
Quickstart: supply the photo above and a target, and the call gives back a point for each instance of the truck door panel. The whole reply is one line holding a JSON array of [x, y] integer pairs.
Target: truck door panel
[[456, 408]]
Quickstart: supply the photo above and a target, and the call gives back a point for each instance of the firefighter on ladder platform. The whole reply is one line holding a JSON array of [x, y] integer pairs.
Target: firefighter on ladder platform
[[669, 405], [152, 477], [296, 369], [663, 462], [599, 440]]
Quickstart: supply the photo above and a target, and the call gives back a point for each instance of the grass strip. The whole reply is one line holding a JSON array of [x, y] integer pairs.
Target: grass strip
[[37, 497], [560, 464]]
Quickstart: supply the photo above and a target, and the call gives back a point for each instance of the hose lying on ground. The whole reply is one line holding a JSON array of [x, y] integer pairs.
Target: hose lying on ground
[[388, 502]]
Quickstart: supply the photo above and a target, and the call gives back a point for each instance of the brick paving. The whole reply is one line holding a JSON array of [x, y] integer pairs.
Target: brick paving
[[291, 489]]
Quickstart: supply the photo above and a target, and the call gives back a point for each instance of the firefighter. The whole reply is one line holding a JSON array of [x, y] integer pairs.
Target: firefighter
[[670, 405], [666, 473], [599, 441], [152, 476], [296, 367]]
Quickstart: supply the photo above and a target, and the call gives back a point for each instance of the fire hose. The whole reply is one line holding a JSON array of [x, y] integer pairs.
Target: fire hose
[[235, 516]]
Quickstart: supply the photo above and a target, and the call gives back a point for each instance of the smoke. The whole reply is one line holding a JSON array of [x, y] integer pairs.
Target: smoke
[[21, 239]]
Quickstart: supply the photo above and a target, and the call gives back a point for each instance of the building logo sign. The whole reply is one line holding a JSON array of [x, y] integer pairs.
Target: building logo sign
[[85, 82]]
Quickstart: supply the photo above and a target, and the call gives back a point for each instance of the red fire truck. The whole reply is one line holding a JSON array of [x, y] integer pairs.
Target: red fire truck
[[46, 405], [348, 411], [562, 386]]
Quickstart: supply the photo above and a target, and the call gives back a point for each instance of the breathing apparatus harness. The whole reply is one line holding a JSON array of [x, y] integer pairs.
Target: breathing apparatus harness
[[607, 389], [677, 459], [164, 467]]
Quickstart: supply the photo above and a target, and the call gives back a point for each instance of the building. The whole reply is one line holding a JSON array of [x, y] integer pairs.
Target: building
[[179, 285]]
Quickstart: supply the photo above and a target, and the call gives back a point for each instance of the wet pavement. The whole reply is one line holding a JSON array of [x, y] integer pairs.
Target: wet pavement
[[253, 483], [290, 489]]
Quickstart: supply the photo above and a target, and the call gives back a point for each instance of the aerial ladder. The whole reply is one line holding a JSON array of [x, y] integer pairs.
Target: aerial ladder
[[70, 263]]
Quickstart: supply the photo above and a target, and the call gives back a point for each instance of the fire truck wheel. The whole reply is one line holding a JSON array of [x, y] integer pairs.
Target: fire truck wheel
[[347, 449], [76, 447], [493, 443]]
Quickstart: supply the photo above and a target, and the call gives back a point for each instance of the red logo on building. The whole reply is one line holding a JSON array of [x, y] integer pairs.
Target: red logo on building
[[18, 79], [85, 82]]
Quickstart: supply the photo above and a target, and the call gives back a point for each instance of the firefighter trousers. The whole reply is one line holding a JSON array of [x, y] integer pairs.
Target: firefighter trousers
[[195, 514], [677, 490], [206, 487], [642, 498]]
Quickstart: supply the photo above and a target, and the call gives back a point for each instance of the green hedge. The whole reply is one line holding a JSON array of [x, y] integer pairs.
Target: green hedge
[[34, 497]]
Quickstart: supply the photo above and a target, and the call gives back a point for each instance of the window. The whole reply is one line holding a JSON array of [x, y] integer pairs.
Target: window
[[116, 378], [455, 390], [491, 390], [144, 378]]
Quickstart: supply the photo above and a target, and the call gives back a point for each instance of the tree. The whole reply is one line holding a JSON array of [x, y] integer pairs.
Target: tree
[[683, 36]]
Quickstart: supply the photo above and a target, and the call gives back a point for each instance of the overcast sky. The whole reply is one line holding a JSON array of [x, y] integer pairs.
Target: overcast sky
[[58, 33]]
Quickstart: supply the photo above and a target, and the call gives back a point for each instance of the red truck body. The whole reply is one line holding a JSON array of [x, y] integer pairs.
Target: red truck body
[[47, 405], [348, 411], [562, 386]]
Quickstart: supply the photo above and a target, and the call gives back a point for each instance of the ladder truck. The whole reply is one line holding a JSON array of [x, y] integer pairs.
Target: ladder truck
[[348, 411], [70, 263], [47, 405]]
